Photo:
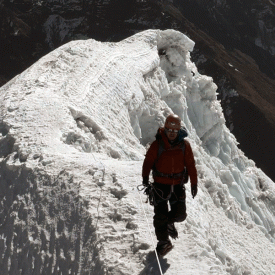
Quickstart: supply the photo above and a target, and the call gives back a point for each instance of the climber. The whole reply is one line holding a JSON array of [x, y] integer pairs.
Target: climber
[[171, 160]]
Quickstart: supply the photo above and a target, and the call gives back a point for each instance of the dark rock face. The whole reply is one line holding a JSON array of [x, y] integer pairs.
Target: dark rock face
[[247, 25], [234, 44], [31, 29]]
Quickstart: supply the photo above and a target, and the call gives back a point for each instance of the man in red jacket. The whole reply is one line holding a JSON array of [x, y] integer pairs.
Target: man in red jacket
[[169, 156]]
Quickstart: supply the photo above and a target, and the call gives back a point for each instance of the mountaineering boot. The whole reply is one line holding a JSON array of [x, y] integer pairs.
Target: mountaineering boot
[[172, 231], [163, 248]]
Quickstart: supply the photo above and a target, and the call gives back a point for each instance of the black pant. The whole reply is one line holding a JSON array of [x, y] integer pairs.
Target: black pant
[[177, 204]]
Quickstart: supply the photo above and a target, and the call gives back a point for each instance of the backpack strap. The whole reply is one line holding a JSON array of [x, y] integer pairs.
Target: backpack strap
[[161, 149], [183, 148]]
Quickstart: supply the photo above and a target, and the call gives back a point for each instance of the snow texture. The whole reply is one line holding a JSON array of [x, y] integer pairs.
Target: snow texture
[[73, 133]]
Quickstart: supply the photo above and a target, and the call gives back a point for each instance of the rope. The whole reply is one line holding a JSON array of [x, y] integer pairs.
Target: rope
[[150, 234], [143, 212], [98, 205], [98, 208], [100, 190]]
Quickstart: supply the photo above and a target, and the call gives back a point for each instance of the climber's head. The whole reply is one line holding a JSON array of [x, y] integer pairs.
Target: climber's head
[[172, 126]]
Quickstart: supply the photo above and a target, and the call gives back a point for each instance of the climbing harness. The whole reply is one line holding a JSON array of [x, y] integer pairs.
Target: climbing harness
[[151, 191], [166, 175]]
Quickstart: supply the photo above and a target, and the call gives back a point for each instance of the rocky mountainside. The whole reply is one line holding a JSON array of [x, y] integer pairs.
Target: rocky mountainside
[[234, 44]]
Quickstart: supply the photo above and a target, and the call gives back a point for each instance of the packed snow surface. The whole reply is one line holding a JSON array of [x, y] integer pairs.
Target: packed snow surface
[[74, 129]]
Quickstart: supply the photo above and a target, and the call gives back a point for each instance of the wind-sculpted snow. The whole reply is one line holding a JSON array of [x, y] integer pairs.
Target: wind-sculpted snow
[[74, 128]]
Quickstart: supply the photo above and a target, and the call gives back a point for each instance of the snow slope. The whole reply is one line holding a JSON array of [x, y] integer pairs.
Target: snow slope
[[74, 128]]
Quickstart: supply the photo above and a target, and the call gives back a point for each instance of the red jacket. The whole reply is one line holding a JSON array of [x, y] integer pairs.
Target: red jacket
[[170, 161]]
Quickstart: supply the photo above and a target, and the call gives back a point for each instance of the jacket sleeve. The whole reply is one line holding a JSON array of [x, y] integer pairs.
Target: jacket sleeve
[[190, 163], [150, 159]]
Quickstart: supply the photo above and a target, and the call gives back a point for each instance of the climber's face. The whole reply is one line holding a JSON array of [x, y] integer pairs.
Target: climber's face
[[171, 133]]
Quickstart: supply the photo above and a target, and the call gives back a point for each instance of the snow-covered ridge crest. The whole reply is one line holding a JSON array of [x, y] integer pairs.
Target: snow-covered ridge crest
[[74, 127]]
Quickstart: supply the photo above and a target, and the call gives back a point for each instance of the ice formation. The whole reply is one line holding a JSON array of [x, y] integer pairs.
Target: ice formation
[[74, 128]]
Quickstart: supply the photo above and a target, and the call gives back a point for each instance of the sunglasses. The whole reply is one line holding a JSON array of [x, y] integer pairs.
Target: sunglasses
[[171, 130]]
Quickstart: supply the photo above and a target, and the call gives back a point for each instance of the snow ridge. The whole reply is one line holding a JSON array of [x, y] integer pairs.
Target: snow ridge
[[74, 128]]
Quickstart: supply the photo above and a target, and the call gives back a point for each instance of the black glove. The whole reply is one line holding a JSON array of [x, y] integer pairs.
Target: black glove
[[145, 181], [146, 185], [194, 190]]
